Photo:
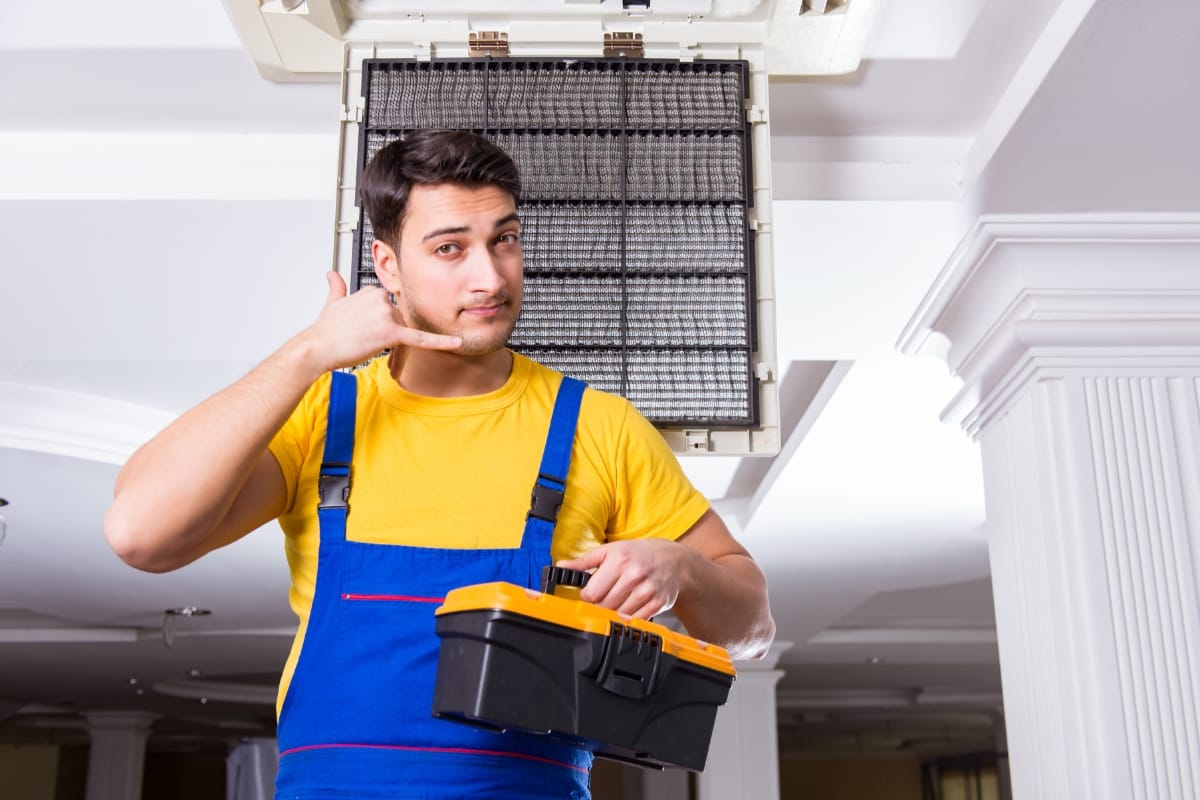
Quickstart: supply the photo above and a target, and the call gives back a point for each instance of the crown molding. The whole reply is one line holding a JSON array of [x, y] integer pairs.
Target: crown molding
[[1030, 296], [84, 426]]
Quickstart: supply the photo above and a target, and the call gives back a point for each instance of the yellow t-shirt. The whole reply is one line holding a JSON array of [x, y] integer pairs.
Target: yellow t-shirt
[[457, 473]]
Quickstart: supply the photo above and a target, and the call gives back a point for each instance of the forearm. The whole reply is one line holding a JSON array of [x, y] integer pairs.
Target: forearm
[[173, 498], [724, 601]]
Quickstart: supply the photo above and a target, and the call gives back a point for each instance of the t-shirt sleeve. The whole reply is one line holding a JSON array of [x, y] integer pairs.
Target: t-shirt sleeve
[[655, 498], [291, 444]]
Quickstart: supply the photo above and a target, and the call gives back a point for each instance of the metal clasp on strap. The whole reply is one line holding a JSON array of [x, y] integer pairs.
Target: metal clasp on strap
[[333, 486], [546, 499]]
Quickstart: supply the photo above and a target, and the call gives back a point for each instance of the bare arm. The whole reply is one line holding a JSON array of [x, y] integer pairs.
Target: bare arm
[[711, 582], [208, 478]]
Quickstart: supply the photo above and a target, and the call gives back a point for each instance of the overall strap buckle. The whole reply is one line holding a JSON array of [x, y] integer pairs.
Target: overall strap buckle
[[546, 498], [333, 486]]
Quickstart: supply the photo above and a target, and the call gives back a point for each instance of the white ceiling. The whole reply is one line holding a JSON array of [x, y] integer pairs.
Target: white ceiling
[[166, 217]]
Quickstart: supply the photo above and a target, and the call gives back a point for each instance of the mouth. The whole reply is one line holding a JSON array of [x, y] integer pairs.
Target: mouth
[[485, 311]]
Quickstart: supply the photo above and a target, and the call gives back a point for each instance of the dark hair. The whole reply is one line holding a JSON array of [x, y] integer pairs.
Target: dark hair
[[427, 158]]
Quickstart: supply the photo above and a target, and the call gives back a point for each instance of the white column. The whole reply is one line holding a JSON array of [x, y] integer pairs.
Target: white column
[[638, 783], [250, 769], [1078, 341], [118, 754], [1003, 776], [743, 756]]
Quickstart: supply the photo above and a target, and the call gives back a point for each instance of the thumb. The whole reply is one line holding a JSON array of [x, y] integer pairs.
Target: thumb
[[589, 560], [337, 287]]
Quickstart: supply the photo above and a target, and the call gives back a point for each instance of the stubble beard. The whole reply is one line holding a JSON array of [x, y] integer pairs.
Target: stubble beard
[[478, 343]]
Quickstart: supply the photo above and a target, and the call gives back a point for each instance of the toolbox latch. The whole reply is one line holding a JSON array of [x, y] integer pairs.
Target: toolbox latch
[[629, 666]]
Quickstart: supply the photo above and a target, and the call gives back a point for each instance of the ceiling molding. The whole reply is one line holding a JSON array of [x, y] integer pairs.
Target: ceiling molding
[[82, 426], [225, 691], [67, 635], [1023, 294], [892, 635]]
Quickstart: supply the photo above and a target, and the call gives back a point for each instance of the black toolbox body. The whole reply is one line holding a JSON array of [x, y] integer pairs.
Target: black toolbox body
[[627, 689]]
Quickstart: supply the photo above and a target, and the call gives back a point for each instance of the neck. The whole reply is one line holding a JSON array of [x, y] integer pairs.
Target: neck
[[437, 373]]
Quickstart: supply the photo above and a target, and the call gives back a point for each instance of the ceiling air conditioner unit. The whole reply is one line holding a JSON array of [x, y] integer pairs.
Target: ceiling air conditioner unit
[[641, 131]]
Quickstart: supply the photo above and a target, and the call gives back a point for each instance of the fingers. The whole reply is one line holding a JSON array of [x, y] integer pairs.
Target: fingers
[[634, 598], [411, 337], [623, 582], [337, 287], [372, 303], [589, 560]]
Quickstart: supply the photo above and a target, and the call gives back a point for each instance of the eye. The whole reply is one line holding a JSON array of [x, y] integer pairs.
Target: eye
[[510, 238], [446, 249]]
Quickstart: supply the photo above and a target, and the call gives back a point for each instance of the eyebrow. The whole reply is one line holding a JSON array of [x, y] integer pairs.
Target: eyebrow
[[464, 229]]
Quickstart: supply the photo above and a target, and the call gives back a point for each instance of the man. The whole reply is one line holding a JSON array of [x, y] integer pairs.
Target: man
[[413, 477]]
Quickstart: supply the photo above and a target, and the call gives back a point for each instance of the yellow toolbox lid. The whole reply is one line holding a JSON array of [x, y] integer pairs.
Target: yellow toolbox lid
[[586, 617]]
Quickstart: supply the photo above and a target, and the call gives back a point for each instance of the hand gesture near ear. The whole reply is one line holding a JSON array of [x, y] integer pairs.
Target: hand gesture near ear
[[352, 328], [208, 477]]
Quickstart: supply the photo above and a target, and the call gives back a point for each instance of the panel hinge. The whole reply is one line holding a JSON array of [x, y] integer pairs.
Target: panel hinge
[[696, 441], [624, 43], [353, 114], [822, 6], [756, 114], [488, 43]]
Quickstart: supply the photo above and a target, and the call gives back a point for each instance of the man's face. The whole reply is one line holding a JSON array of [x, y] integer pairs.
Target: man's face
[[458, 269]]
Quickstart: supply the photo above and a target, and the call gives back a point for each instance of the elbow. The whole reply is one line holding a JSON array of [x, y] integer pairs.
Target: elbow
[[758, 643], [764, 640], [128, 540]]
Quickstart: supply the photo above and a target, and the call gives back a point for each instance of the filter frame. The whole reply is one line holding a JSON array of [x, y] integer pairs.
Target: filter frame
[[489, 123]]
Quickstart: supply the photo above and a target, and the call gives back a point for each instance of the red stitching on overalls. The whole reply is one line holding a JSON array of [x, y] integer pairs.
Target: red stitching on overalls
[[396, 597], [453, 750]]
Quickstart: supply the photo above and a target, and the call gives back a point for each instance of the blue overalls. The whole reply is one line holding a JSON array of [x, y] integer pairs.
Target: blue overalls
[[356, 720]]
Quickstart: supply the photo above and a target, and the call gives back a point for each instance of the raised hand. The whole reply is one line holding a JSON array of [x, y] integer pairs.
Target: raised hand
[[352, 328]]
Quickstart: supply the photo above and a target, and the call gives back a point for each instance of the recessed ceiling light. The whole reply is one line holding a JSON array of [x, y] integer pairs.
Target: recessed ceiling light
[[172, 614], [187, 611], [875, 660]]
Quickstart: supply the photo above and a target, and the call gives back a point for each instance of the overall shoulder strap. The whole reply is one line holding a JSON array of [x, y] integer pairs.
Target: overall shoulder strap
[[333, 485], [551, 481]]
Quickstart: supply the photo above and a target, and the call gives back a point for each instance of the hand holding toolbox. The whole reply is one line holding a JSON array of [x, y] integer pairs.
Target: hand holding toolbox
[[628, 689]]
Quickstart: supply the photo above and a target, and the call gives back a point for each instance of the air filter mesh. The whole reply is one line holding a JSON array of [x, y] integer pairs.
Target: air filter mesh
[[639, 264]]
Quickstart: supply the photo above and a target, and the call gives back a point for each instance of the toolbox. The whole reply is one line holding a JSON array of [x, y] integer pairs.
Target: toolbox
[[632, 690]]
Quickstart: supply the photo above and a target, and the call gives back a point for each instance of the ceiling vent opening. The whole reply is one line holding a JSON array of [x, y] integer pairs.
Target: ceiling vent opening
[[642, 130]]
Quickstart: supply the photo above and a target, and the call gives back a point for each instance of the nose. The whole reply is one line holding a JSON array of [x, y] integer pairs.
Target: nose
[[486, 274]]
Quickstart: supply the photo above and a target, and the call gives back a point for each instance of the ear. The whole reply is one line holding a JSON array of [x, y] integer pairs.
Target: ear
[[387, 265]]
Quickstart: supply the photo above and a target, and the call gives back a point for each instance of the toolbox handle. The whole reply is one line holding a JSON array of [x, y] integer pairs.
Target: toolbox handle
[[553, 577]]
